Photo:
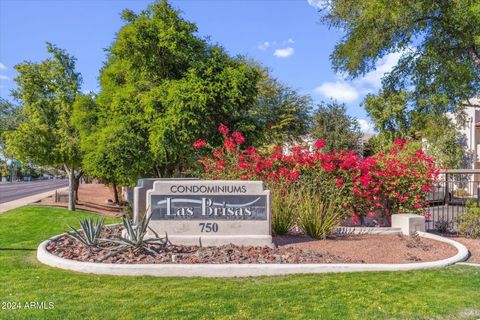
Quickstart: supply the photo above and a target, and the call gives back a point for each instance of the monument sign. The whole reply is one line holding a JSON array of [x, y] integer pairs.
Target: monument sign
[[140, 194], [194, 212]]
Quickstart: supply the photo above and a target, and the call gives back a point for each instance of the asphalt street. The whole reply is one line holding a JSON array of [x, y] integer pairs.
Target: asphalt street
[[18, 190]]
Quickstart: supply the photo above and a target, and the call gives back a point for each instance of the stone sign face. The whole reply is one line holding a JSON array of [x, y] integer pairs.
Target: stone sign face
[[140, 195], [194, 212]]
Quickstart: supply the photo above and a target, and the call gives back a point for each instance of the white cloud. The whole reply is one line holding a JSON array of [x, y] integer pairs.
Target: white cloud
[[365, 125], [263, 46], [284, 52], [339, 90], [349, 91], [384, 65], [317, 3], [2, 68], [283, 49]]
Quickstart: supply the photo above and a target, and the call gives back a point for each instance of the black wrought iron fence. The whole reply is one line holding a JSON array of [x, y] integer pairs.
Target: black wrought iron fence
[[449, 197]]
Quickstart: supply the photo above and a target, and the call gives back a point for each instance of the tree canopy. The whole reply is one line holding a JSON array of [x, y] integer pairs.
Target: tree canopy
[[46, 136], [163, 87], [339, 131], [10, 117], [435, 132], [438, 70], [282, 113], [439, 41]]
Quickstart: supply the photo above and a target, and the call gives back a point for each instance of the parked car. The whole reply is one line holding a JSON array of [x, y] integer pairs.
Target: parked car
[[437, 195]]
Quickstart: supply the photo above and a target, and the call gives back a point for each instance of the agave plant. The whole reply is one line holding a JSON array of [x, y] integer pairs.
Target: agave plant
[[91, 231], [135, 237]]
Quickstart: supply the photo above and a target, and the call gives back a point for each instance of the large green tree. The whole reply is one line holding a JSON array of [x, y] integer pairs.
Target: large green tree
[[439, 41], [282, 113], [339, 131], [110, 151], [46, 136], [163, 87], [151, 51], [435, 132]]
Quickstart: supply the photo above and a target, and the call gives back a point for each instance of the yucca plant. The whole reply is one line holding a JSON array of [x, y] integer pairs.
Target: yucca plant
[[135, 237], [319, 214], [91, 230]]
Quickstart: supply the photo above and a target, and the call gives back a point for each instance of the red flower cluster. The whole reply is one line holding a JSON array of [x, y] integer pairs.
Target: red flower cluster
[[199, 143], [223, 129], [319, 144], [386, 183]]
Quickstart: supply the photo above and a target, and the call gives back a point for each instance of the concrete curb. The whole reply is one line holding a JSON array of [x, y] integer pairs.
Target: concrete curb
[[27, 200], [469, 264], [239, 270]]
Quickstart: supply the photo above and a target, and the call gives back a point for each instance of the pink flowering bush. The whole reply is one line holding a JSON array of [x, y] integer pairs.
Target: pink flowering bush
[[391, 182]]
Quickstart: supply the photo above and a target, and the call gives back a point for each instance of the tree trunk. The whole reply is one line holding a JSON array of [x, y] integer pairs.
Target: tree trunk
[[77, 184], [115, 191], [73, 183], [71, 189]]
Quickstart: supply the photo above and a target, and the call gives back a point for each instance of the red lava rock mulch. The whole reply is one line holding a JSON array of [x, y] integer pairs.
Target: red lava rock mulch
[[91, 197], [291, 249], [375, 248]]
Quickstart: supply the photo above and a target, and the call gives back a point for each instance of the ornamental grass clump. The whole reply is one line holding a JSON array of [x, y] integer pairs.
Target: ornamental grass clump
[[90, 231], [284, 201], [318, 214]]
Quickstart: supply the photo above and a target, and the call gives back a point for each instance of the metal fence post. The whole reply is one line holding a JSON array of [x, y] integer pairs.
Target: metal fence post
[[446, 189]]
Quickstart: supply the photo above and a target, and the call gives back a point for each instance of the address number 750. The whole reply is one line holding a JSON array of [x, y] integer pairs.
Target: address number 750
[[208, 227]]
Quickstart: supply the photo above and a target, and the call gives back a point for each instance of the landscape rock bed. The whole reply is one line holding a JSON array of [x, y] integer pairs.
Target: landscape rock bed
[[290, 249]]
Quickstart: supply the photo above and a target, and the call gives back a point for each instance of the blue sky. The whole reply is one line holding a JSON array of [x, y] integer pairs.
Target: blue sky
[[284, 35]]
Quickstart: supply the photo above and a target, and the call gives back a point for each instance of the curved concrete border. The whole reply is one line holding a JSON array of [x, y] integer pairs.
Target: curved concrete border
[[469, 264], [239, 270]]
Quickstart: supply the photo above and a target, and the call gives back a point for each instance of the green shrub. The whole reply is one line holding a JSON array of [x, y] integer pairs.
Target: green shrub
[[471, 203], [469, 223], [284, 203], [318, 214]]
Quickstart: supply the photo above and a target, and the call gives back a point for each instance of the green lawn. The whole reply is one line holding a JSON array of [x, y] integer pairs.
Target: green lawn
[[450, 293]]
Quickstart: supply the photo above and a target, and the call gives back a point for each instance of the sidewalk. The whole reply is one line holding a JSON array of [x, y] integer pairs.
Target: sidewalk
[[24, 201]]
